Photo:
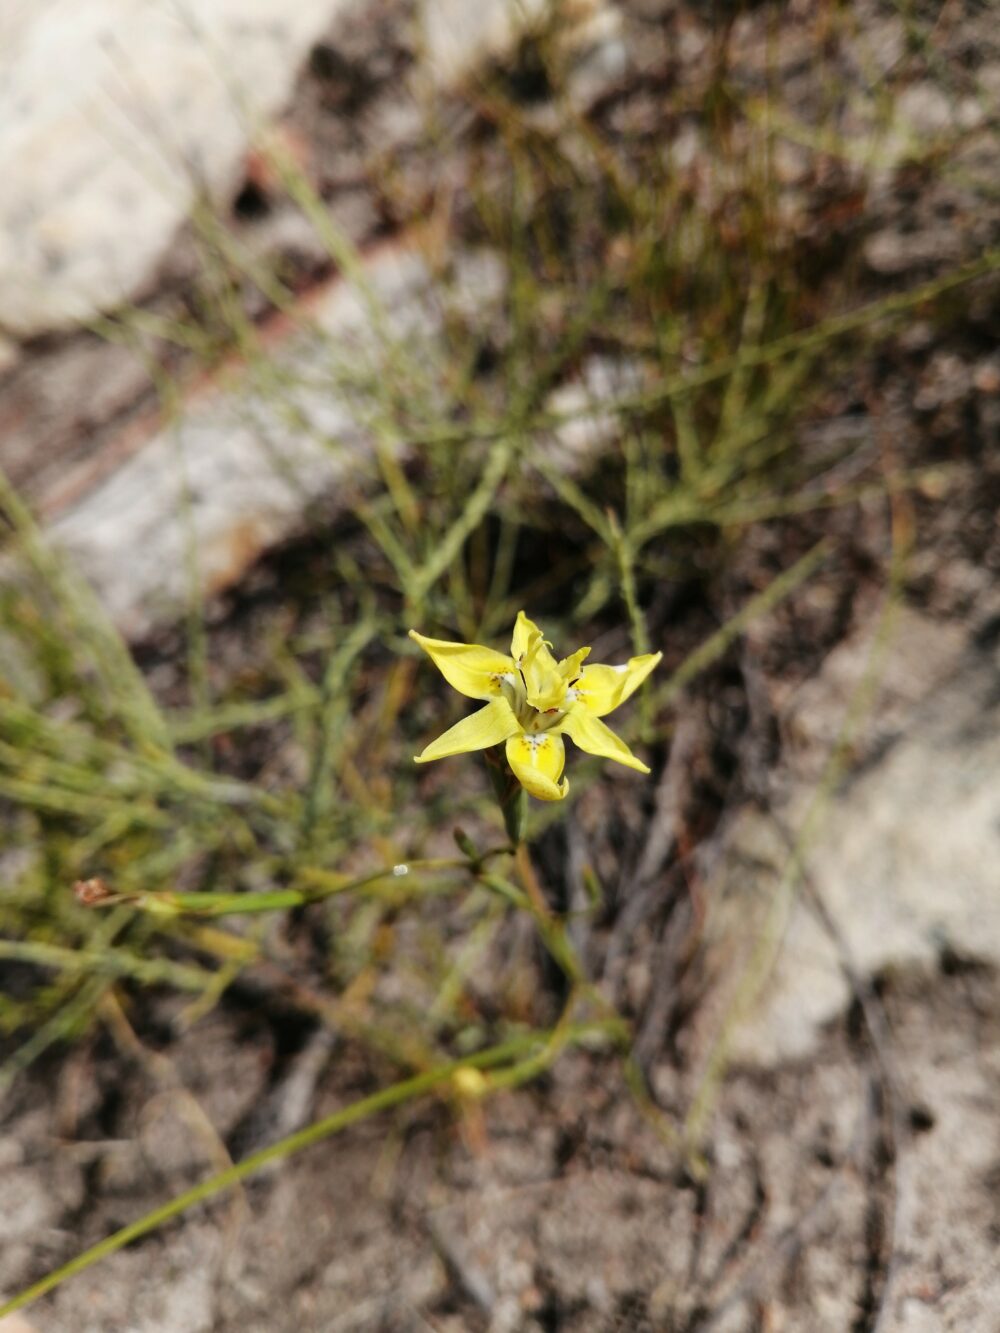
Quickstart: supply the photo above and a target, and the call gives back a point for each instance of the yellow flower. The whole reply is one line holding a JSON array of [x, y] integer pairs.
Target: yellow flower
[[532, 702]]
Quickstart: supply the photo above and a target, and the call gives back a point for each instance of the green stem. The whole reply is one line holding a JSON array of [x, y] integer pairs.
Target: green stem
[[318, 885], [110, 963], [511, 796], [551, 927]]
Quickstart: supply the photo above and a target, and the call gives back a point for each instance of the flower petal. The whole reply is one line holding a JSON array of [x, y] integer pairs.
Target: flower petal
[[592, 735], [544, 685], [489, 726], [570, 667], [537, 761], [601, 689], [474, 671], [525, 631]]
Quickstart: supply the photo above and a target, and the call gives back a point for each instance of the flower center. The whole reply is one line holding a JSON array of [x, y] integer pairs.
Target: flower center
[[515, 691]]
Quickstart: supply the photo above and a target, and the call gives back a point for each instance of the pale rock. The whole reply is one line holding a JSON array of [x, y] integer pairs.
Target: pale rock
[[925, 110], [28, 1205], [457, 37], [922, 653], [114, 116], [587, 422], [923, 117], [595, 42], [893, 251], [236, 472], [901, 856]]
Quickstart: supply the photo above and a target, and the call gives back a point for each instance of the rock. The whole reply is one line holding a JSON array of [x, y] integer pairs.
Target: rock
[[923, 115], [237, 471], [596, 44], [922, 654], [28, 1206], [925, 110], [893, 251], [587, 425], [114, 116], [33, 1202], [903, 855], [458, 36]]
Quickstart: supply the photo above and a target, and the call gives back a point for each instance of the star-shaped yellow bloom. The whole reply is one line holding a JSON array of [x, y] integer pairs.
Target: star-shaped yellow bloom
[[532, 702]]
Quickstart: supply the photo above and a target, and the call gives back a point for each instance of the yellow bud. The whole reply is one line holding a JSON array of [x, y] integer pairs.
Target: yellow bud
[[469, 1082]]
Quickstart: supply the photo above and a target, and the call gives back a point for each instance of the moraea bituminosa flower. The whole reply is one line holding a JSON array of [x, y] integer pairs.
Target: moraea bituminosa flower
[[532, 702]]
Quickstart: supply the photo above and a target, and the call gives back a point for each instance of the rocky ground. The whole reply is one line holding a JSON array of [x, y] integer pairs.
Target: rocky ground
[[852, 1188], [845, 911]]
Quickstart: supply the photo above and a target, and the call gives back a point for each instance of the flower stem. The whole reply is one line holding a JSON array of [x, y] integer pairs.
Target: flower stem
[[529, 881], [511, 796], [550, 926]]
